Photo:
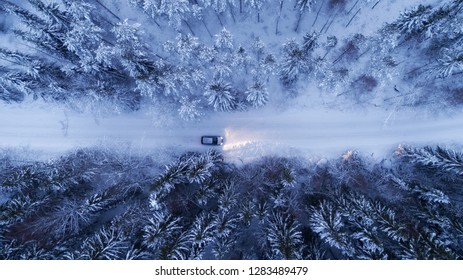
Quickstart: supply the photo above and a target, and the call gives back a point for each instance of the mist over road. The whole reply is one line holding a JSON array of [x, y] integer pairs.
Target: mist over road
[[252, 134]]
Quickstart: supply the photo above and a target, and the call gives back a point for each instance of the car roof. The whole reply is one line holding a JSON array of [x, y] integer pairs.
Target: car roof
[[208, 139]]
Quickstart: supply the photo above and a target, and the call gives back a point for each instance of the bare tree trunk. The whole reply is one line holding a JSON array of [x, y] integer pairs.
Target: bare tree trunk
[[205, 25], [352, 18], [332, 20], [298, 21], [218, 17], [341, 55], [279, 16], [318, 13], [189, 27], [327, 52], [231, 12], [362, 54], [377, 2], [107, 9], [355, 4]]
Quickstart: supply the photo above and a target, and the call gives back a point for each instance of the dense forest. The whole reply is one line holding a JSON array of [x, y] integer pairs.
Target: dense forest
[[202, 56], [98, 204]]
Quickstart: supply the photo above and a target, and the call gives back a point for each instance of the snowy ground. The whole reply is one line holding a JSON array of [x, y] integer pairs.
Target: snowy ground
[[248, 135]]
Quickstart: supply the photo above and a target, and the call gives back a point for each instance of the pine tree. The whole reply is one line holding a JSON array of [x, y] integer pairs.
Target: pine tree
[[17, 209], [175, 10], [288, 176], [44, 30], [199, 169], [177, 247], [84, 36], [224, 224], [414, 21], [29, 250], [284, 236], [241, 59], [174, 174], [14, 85], [388, 223], [228, 196], [441, 158], [131, 50], [310, 42], [256, 5], [219, 95], [295, 63], [65, 220], [451, 62], [107, 244], [202, 231], [257, 94], [221, 246], [219, 7], [327, 222], [224, 40], [189, 109], [246, 212], [222, 69], [204, 194], [187, 46], [302, 6], [159, 229]]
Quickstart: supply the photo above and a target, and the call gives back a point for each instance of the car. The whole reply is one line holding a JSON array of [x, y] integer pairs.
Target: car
[[212, 140]]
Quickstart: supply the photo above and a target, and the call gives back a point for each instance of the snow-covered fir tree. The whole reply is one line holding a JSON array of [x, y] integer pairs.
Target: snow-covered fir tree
[[224, 40], [257, 5], [257, 94], [174, 10], [414, 21], [303, 5], [220, 96], [451, 62], [202, 231], [107, 244], [189, 109], [442, 158], [227, 199], [293, 64], [309, 42], [159, 229], [284, 236], [327, 222]]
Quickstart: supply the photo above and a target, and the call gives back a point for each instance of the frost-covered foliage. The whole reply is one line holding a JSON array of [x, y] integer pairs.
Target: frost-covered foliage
[[303, 5], [415, 21], [86, 51], [190, 109], [440, 158], [451, 62], [96, 54], [200, 207], [284, 237], [220, 96], [257, 94], [327, 222], [295, 62]]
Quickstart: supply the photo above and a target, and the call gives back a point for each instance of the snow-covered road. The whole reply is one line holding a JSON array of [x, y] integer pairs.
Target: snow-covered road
[[248, 134]]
